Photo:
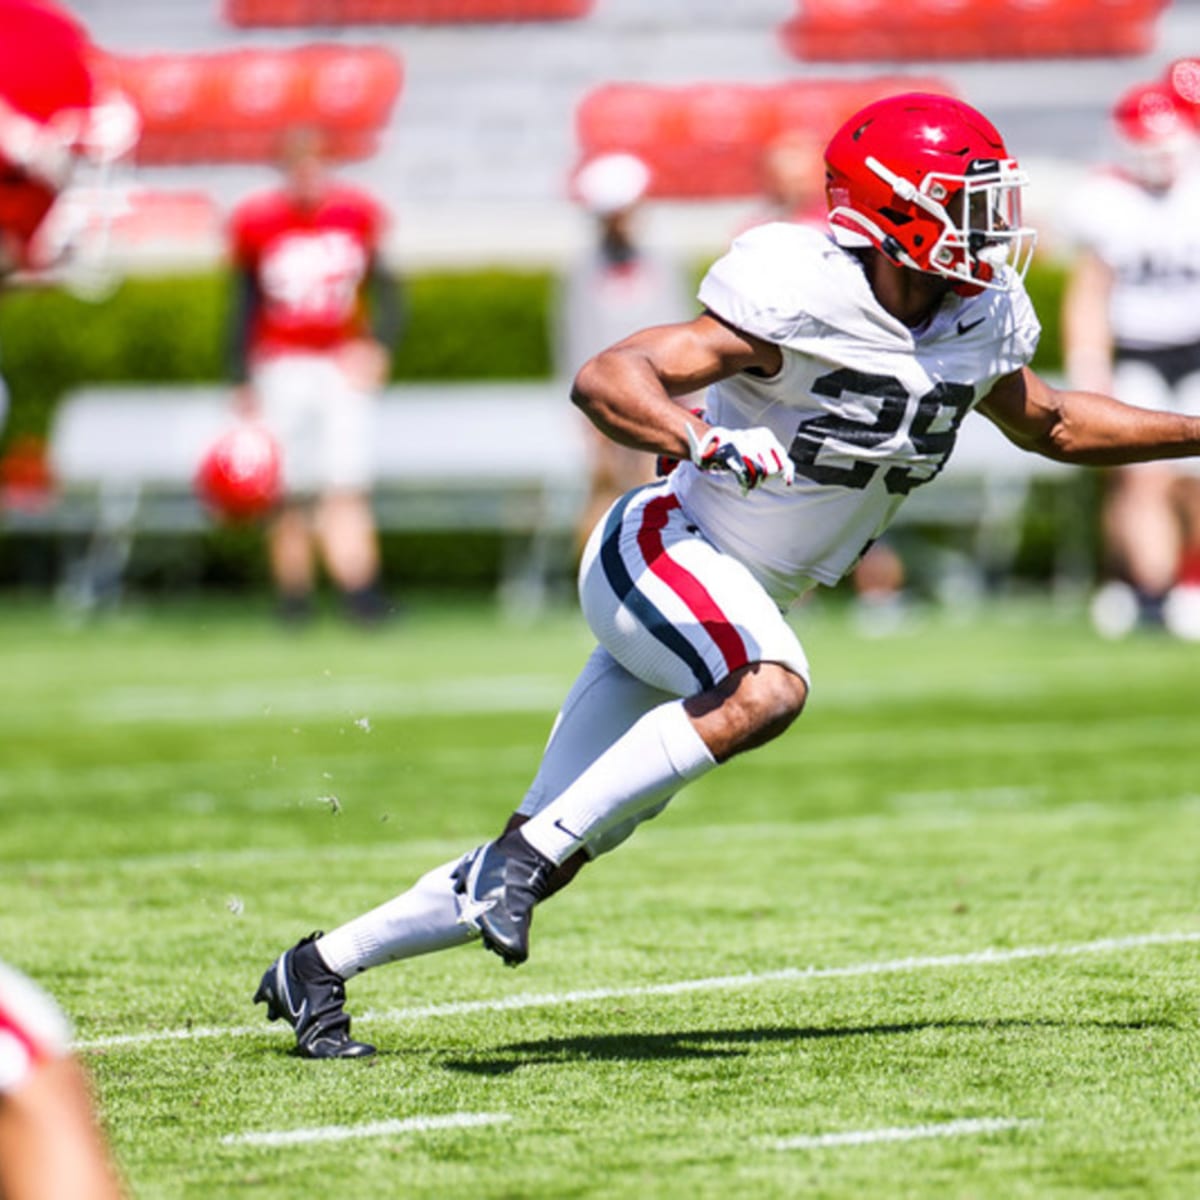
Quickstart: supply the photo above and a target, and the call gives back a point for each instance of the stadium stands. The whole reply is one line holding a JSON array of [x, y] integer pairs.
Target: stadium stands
[[394, 12], [920, 30], [230, 107], [707, 140]]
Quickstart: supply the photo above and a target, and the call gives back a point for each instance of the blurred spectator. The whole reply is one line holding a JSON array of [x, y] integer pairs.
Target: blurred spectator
[[306, 259], [1131, 327], [793, 180], [51, 1147], [618, 287]]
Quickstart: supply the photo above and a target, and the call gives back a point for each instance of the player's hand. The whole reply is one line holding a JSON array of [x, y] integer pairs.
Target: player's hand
[[245, 401], [364, 363], [749, 455]]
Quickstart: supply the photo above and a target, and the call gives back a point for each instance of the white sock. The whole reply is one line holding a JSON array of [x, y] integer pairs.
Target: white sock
[[660, 752], [423, 919]]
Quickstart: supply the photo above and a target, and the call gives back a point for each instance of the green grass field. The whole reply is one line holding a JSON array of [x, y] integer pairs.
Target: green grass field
[[959, 898]]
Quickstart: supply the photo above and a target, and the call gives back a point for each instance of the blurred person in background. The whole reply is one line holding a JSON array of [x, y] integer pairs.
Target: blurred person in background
[[51, 1145], [792, 170], [309, 361], [618, 286], [838, 370], [1131, 326], [55, 117]]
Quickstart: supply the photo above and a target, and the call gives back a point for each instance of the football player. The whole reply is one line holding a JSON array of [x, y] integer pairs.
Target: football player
[[51, 118], [838, 371], [1131, 325], [55, 115], [306, 259], [50, 1144]]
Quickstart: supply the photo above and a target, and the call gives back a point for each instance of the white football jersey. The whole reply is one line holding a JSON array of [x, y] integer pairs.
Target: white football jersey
[[1151, 241], [868, 408]]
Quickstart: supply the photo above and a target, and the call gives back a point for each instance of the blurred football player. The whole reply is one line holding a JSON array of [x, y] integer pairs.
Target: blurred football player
[[619, 285], [838, 371], [1131, 325], [306, 261], [51, 1146], [55, 115]]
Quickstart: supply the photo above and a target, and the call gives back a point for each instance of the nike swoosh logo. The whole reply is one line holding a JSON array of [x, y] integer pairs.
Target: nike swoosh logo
[[969, 326], [570, 833]]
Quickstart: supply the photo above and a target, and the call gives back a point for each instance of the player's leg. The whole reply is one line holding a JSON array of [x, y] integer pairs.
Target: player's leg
[[345, 523], [287, 407], [1139, 520], [689, 621], [306, 984]]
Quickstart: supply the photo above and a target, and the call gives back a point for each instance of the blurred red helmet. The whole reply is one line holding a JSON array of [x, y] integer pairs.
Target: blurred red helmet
[[1152, 112], [239, 476], [51, 115], [1157, 132], [928, 181]]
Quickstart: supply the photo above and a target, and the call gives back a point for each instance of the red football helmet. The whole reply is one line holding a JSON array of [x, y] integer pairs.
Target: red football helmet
[[927, 181], [1157, 132], [51, 116], [239, 476]]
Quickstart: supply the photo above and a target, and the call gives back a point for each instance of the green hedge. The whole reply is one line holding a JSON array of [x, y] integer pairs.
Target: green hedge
[[471, 325], [478, 325]]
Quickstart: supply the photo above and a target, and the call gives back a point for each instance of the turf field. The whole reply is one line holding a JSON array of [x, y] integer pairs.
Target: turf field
[[940, 940]]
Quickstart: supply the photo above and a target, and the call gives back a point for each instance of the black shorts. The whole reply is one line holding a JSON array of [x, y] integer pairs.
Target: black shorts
[[1173, 363]]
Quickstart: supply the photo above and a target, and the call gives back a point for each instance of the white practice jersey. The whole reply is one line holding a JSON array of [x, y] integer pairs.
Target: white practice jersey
[[868, 408], [1151, 241]]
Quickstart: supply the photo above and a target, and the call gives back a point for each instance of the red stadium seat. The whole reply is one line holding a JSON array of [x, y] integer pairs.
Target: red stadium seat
[[230, 107], [399, 12], [866, 30], [707, 140]]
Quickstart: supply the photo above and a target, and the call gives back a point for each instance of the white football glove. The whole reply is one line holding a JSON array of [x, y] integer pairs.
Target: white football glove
[[749, 455]]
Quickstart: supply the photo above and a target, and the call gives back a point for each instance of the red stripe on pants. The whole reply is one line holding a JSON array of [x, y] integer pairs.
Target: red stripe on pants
[[685, 585]]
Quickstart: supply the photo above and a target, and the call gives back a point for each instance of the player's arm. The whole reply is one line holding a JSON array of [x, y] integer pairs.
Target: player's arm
[[243, 307], [50, 1144], [628, 390], [1085, 428], [1087, 331]]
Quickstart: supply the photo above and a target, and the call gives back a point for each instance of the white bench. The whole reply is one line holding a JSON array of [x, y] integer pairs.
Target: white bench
[[503, 457], [506, 457]]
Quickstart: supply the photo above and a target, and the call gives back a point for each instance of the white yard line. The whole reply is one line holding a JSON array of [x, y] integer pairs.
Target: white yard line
[[342, 1133], [864, 1137], [978, 958]]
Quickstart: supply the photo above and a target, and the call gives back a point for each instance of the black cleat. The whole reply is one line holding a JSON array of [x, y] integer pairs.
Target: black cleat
[[301, 989], [502, 883]]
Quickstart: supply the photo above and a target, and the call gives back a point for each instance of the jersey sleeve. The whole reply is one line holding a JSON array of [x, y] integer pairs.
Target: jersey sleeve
[[242, 243], [753, 285], [33, 1029]]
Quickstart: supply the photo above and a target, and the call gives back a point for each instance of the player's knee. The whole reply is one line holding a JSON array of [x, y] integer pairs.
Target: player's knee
[[749, 707], [777, 697]]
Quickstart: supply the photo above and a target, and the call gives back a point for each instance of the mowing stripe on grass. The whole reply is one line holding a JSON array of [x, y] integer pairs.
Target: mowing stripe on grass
[[978, 958], [864, 1137], [342, 1133]]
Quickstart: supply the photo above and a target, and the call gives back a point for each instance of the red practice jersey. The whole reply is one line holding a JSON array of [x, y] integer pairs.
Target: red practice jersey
[[309, 266]]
